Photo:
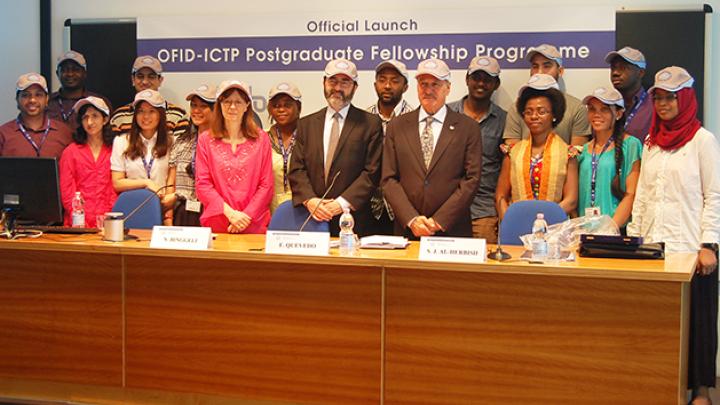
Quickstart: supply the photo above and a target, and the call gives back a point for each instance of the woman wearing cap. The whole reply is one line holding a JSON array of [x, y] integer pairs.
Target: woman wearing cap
[[609, 164], [234, 178], [543, 166], [678, 202], [186, 207], [85, 163], [284, 107], [140, 157]]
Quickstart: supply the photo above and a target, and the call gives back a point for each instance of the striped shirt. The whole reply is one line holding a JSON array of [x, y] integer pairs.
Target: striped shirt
[[182, 156], [177, 119]]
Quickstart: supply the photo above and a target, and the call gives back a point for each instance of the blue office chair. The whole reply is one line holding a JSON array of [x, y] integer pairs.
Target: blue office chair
[[147, 216], [520, 216], [289, 218]]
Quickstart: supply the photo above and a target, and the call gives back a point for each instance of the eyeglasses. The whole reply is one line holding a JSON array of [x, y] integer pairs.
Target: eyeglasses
[[231, 103], [667, 98], [541, 112]]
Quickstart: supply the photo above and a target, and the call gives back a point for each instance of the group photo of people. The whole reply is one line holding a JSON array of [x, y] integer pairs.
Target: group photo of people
[[443, 168]]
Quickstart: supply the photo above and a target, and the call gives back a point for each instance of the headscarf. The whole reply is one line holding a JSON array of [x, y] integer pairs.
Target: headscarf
[[673, 134]]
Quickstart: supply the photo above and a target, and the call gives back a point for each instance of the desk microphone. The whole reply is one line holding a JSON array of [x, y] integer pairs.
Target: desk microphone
[[332, 183], [499, 254]]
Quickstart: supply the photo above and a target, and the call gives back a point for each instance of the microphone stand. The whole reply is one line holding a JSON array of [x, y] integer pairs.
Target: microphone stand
[[142, 204], [332, 183], [499, 254]]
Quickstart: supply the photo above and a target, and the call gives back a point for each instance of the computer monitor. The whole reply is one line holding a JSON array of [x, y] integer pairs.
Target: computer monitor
[[29, 187]]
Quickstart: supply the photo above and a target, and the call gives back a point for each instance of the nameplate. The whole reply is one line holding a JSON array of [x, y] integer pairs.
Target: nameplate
[[459, 250], [181, 237], [297, 243]]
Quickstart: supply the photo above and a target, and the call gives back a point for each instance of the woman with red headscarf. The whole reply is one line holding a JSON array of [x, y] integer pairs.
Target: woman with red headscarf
[[678, 202]]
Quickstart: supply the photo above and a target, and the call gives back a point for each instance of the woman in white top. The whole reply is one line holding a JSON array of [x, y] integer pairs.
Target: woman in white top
[[678, 202], [140, 157]]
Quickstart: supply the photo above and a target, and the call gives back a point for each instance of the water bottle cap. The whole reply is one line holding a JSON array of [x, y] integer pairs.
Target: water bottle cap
[[540, 215]]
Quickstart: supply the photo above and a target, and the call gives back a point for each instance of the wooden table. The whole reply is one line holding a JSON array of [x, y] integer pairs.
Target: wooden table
[[87, 320]]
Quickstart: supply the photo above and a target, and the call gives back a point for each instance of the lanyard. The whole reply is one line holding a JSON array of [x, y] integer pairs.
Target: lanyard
[[65, 116], [148, 165], [192, 162], [285, 153], [634, 110], [29, 139], [594, 164]]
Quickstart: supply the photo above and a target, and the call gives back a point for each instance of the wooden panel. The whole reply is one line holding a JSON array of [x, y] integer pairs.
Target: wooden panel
[[61, 317], [457, 338], [301, 333]]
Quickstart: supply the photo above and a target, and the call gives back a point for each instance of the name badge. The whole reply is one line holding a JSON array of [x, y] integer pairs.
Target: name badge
[[181, 237], [297, 243], [459, 250], [592, 211], [192, 206]]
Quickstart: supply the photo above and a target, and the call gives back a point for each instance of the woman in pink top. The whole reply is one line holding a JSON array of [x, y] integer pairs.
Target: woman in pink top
[[85, 164], [234, 179]]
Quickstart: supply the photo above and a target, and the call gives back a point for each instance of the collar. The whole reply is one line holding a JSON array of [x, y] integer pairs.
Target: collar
[[438, 116], [397, 111], [45, 120], [150, 141], [329, 112]]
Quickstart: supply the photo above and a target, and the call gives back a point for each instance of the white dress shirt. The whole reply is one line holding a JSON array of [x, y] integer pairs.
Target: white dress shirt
[[437, 124], [677, 200], [135, 168], [329, 112]]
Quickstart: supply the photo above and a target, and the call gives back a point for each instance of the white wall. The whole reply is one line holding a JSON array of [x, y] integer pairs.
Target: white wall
[[19, 47]]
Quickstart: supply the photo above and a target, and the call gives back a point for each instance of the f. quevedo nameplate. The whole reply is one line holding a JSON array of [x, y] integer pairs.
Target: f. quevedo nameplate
[[297, 243], [460, 250], [181, 237]]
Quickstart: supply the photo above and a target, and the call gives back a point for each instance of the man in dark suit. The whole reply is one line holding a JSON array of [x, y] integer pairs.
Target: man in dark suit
[[340, 143], [431, 161]]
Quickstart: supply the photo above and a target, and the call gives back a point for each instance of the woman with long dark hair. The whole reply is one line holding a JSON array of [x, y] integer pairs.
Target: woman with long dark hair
[[140, 157], [609, 164], [678, 202], [85, 163]]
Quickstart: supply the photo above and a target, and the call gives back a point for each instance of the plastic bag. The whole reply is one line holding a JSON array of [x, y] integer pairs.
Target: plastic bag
[[567, 234]]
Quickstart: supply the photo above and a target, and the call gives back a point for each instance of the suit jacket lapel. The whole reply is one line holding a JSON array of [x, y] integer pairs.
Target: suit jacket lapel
[[318, 128], [412, 139], [446, 136]]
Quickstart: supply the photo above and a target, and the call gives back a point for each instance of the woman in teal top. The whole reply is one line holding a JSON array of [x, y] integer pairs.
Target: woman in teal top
[[609, 165]]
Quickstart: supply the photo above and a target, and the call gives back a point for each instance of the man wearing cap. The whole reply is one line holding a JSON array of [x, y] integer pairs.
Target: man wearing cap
[[432, 161], [574, 128], [338, 151], [482, 79], [391, 82], [147, 74], [71, 70], [627, 69], [33, 133]]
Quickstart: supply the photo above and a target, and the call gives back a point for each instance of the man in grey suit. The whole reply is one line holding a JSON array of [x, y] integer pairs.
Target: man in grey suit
[[339, 140], [431, 161]]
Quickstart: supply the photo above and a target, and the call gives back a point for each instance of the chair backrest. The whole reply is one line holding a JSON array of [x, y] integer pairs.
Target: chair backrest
[[147, 216], [520, 216], [289, 218]]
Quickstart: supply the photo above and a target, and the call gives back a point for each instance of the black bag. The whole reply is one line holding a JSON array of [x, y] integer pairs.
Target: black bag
[[644, 251]]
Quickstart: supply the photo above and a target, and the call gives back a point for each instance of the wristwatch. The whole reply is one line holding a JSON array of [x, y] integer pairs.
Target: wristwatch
[[711, 246]]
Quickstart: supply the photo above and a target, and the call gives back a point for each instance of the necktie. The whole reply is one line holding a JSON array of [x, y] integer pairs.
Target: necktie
[[332, 145], [427, 140]]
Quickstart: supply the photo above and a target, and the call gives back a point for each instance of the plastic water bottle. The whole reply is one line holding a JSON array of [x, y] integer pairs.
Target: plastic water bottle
[[539, 241], [348, 241], [78, 211]]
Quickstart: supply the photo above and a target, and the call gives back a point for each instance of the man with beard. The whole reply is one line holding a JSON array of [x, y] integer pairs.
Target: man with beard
[[432, 161], [147, 75], [627, 68], [33, 133], [482, 79], [391, 82], [71, 70], [574, 127], [337, 150]]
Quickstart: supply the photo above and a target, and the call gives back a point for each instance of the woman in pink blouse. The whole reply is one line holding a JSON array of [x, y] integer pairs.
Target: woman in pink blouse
[[85, 164], [234, 179]]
